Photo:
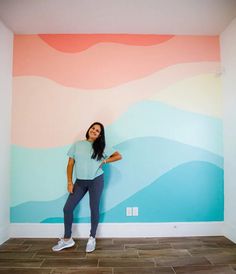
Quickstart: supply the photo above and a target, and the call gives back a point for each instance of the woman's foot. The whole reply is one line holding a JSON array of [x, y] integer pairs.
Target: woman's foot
[[62, 244], [91, 244]]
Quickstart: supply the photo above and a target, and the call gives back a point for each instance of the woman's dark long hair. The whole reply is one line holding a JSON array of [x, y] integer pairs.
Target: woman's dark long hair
[[99, 143]]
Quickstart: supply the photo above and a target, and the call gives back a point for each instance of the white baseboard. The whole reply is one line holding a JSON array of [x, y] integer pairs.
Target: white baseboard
[[230, 232], [29, 230]]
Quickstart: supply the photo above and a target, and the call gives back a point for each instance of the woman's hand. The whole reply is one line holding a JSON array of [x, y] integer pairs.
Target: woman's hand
[[70, 187], [103, 162]]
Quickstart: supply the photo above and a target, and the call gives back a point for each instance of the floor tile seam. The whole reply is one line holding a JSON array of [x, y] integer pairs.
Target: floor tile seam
[[16, 245], [231, 266], [67, 258], [186, 266], [52, 269], [154, 261], [173, 269], [20, 259], [43, 260], [28, 249], [215, 264], [189, 253], [34, 256], [139, 257], [23, 267]]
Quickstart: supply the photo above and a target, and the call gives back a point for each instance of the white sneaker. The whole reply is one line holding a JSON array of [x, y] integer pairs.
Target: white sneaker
[[63, 244], [91, 244]]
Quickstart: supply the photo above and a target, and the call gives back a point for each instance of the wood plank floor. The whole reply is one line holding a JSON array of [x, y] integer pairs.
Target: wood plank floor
[[119, 256]]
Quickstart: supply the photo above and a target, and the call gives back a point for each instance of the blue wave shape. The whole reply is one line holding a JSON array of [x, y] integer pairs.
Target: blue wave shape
[[144, 160], [153, 118], [190, 192]]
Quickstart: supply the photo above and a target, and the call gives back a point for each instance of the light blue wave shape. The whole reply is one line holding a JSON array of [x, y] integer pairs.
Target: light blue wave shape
[[39, 175], [152, 118], [192, 192], [144, 160]]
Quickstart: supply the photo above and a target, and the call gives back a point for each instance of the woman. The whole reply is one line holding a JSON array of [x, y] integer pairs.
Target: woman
[[87, 157]]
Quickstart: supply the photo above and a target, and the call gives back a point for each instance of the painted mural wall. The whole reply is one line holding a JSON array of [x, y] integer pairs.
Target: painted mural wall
[[159, 97]]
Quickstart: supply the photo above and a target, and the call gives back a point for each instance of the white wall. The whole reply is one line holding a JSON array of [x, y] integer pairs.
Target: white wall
[[228, 53], [6, 49]]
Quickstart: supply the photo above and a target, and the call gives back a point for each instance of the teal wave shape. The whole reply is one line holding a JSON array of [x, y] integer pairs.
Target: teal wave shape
[[37, 174], [153, 118], [190, 192], [35, 211], [144, 160]]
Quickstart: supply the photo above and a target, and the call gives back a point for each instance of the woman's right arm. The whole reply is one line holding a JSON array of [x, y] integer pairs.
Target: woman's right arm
[[69, 170]]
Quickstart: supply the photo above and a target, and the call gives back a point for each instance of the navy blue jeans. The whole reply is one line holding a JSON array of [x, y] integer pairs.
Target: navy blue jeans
[[95, 188]]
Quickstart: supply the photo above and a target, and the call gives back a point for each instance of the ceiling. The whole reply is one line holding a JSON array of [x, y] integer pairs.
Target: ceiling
[[197, 17]]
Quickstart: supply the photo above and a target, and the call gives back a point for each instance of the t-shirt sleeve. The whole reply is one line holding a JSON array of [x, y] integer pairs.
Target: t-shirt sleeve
[[108, 151], [71, 151]]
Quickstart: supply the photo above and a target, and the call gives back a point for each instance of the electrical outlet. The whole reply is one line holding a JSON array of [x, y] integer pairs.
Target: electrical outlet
[[129, 211], [135, 211]]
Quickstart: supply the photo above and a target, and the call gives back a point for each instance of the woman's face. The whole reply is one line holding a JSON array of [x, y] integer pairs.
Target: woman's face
[[94, 132]]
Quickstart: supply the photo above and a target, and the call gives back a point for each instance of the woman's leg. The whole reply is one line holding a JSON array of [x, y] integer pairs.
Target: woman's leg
[[73, 199], [95, 192]]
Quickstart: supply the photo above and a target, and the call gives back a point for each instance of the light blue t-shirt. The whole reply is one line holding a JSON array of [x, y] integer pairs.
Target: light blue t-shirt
[[87, 168]]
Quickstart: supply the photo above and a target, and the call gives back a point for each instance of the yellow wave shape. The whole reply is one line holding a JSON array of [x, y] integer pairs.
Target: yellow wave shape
[[200, 94]]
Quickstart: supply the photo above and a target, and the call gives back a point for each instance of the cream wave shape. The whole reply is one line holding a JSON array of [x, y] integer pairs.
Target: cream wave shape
[[200, 94], [46, 114]]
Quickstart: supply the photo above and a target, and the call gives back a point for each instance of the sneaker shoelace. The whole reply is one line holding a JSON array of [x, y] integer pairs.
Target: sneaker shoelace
[[91, 240], [61, 241]]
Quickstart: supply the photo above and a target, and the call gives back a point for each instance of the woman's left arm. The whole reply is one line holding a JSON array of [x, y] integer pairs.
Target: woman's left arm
[[116, 156]]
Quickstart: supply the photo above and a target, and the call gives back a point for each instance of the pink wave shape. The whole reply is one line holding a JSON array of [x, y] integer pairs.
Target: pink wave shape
[[78, 42], [108, 65], [46, 114]]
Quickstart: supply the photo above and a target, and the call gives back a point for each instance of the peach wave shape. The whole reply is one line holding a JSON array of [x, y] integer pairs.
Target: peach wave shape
[[72, 43], [45, 114], [108, 65]]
